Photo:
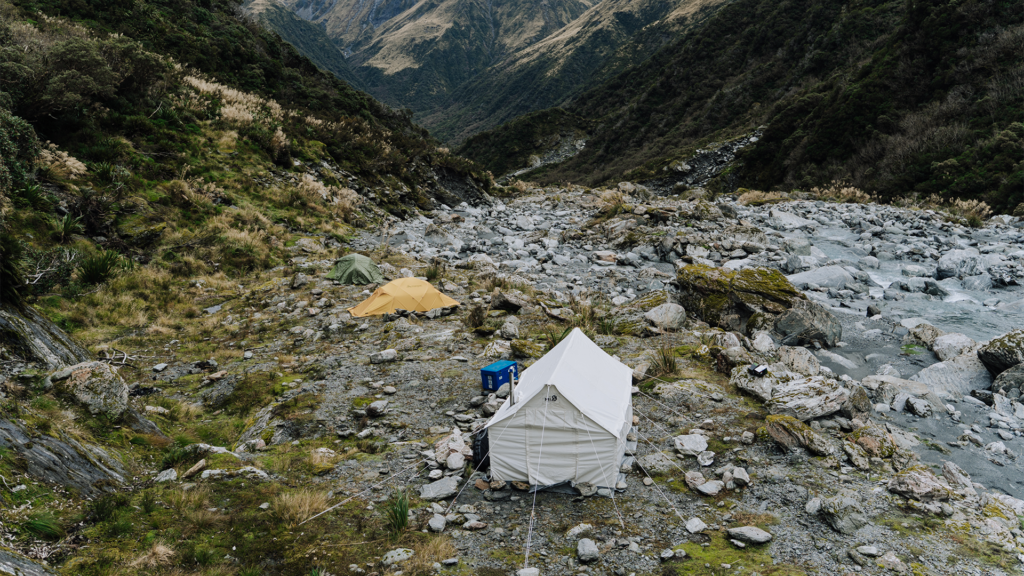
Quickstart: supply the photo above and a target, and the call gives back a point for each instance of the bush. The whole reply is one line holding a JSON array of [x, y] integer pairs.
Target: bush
[[105, 507], [99, 268], [64, 228]]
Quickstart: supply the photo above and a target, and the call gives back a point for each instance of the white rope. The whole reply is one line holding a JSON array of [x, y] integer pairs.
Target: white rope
[[475, 469], [658, 488], [540, 455], [672, 461], [356, 495], [659, 403], [615, 473]]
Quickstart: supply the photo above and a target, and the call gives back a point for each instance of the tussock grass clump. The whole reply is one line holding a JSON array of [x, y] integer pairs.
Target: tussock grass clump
[[294, 507], [158, 555], [476, 317], [757, 198], [396, 514], [841, 192], [664, 362], [101, 267], [43, 525]]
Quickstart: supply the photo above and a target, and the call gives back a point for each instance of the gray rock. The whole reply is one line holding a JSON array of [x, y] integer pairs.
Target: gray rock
[[168, 475], [711, 488], [668, 316], [587, 551], [799, 360], [96, 386], [299, 280], [1012, 378], [28, 334], [918, 484], [14, 564], [378, 408], [843, 512], [160, 367], [952, 345], [510, 300], [959, 263], [762, 342], [869, 551], [806, 323], [695, 525], [397, 555], [528, 572], [389, 355], [827, 277], [690, 444], [656, 463], [443, 488], [797, 246], [61, 460], [955, 377], [787, 221], [919, 407], [1004, 352], [750, 535]]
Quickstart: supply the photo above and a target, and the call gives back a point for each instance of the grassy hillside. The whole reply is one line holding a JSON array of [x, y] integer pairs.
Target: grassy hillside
[[892, 97], [130, 163]]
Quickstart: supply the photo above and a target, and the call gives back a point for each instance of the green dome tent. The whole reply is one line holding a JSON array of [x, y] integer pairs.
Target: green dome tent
[[355, 269]]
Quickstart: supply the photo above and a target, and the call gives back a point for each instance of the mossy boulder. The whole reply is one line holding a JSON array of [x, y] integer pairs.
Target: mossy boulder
[[729, 299], [755, 299], [793, 433], [629, 319], [526, 349], [1003, 353]]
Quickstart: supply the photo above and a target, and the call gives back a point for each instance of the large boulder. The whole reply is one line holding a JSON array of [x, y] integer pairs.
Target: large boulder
[[510, 300], [656, 463], [668, 316], [918, 483], [843, 512], [806, 323], [632, 318], [827, 276], [28, 335], [1004, 352], [444, 488], [952, 345], [1010, 379], [792, 433], [783, 392], [741, 301], [96, 386], [955, 377], [799, 360], [959, 263]]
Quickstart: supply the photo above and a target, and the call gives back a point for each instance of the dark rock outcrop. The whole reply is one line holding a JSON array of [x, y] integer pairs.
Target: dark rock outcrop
[[62, 461], [28, 335]]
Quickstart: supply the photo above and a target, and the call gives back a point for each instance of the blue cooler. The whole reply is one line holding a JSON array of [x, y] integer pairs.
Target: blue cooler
[[493, 376]]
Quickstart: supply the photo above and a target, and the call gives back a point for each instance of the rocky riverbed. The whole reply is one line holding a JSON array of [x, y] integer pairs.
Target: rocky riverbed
[[884, 433]]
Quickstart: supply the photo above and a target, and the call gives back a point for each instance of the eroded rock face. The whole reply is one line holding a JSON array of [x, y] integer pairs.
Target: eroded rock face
[[96, 386], [27, 334], [13, 563], [1003, 353], [793, 433], [63, 461], [807, 323]]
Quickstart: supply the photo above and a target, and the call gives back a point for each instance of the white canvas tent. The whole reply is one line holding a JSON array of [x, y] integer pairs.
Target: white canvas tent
[[572, 412]]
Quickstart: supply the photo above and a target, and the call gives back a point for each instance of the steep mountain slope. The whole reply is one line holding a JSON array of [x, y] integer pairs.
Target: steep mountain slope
[[892, 97], [415, 54], [609, 38], [307, 38]]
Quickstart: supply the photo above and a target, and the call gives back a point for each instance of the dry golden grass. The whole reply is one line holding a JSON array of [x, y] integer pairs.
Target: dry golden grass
[[158, 555], [294, 507], [185, 500], [756, 198], [427, 553], [61, 164], [204, 519], [840, 192]]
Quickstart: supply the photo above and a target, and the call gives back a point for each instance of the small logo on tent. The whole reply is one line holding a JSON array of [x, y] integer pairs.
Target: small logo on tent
[[551, 398]]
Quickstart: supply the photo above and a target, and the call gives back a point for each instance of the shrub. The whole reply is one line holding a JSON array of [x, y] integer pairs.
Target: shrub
[[476, 317], [65, 227], [148, 502], [99, 268], [105, 507]]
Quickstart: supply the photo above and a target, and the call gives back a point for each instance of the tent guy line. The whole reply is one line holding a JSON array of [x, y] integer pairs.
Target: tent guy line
[[540, 455], [594, 446], [372, 486]]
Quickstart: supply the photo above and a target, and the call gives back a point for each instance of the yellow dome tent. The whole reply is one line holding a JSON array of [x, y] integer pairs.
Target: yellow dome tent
[[403, 294]]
